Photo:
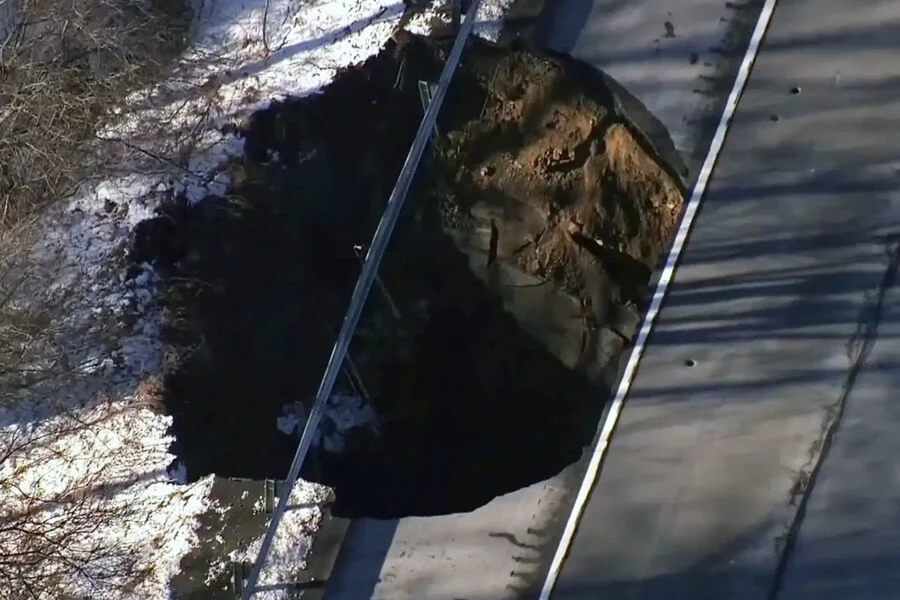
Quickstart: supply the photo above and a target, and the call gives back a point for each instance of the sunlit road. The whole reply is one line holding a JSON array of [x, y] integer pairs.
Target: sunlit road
[[678, 58], [755, 457]]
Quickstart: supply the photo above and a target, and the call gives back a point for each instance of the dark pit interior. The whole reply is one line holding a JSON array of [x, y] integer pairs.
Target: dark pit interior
[[471, 404]]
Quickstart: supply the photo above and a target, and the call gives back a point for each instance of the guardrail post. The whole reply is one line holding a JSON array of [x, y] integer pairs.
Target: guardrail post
[[239, 570], [426, 93], [457, 9], [356, 379], [269, 495], [395, 310]]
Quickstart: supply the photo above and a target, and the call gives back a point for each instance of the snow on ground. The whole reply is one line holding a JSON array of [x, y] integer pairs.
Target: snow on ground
[[489, 22], [85, 434], [100, 488], [345, 413], [290, 549]]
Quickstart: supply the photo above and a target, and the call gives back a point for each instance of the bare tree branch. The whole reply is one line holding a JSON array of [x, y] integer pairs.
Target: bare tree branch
[[63, 65]]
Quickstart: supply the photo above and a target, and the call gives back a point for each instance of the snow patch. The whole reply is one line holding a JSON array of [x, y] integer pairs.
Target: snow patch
[[345, 415], [292, 543], [88, 431], [489, 21], [98, 481], [177, 472]]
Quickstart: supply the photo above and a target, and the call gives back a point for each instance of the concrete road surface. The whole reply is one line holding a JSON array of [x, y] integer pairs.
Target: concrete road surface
[[756, 454], [678, 57]]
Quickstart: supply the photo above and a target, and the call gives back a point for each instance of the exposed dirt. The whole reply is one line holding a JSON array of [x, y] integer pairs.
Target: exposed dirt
[[471, 405], [567, 184]]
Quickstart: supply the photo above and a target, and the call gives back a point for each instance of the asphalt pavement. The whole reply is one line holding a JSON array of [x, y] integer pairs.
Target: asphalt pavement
[[677, 59], [755, 455]]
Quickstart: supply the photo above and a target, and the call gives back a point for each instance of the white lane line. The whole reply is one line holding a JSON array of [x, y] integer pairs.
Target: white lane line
[[659, 293]]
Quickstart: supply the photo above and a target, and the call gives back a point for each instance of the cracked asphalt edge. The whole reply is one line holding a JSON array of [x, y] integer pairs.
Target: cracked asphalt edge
[[859, 347]]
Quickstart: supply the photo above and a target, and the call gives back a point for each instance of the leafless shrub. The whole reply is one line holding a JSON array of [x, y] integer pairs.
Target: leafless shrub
[[60, 438], [47, 519], [63, 65], [59, 486]]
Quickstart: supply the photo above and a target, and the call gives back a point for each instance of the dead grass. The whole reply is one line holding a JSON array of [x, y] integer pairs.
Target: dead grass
[[63, 65]]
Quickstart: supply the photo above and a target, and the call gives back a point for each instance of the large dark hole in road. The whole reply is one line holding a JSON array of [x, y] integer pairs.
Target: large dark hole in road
[[521, 257]]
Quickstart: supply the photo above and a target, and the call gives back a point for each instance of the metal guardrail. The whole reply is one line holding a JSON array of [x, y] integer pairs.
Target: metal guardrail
[[361, 292]]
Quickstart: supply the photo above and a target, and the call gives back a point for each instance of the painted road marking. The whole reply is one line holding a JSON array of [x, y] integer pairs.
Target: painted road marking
[[659, 293]]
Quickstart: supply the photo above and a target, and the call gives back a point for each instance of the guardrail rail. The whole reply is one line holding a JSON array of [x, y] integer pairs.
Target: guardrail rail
[[361, 293]]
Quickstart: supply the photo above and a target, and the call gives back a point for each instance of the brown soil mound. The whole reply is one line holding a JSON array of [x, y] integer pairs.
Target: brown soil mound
[[563, 179]]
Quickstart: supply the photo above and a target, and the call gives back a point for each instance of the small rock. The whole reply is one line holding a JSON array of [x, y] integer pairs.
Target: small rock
[[487, 171]]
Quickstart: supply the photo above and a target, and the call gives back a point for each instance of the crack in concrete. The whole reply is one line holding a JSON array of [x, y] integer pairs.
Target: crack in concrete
[[859, 347]]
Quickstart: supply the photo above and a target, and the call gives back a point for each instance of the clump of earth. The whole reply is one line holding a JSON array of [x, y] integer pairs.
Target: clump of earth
[[567, 184], [487, 347]]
